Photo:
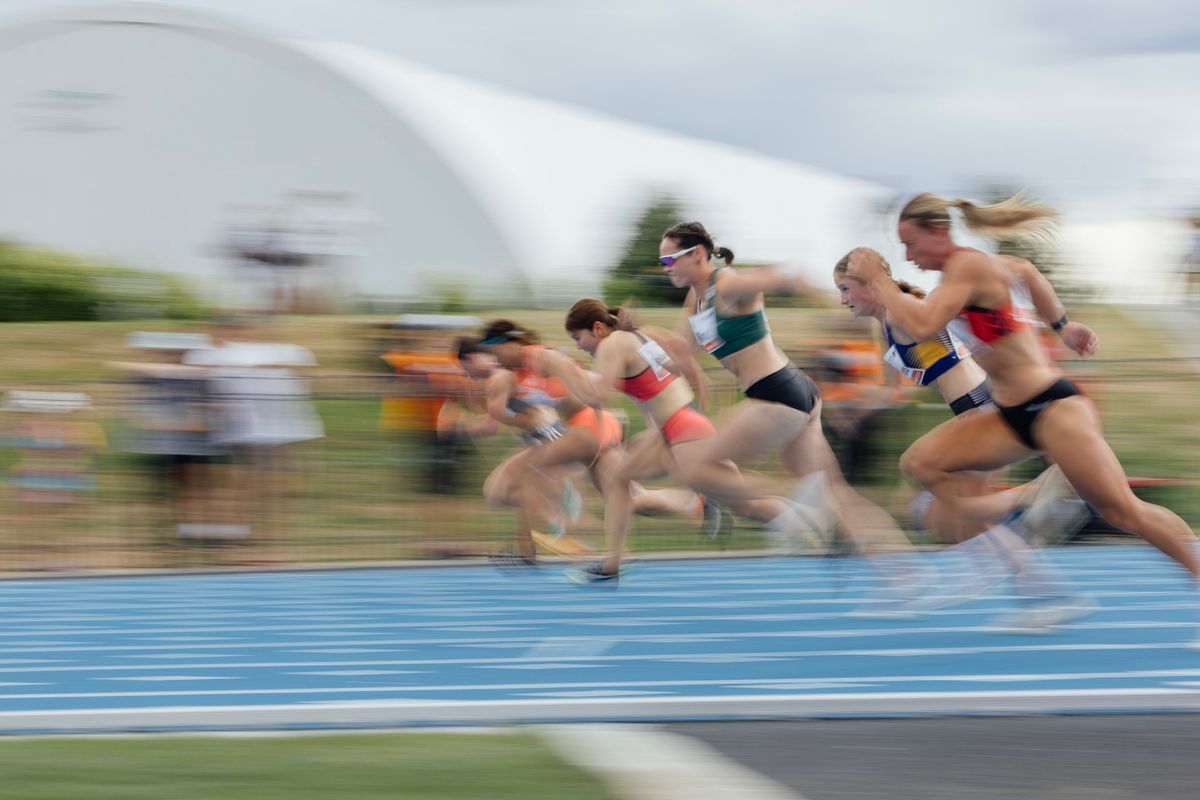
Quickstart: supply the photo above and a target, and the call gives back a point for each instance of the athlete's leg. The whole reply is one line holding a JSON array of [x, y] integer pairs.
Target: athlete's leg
[[980, 441], [1069, 429], [750, 428]]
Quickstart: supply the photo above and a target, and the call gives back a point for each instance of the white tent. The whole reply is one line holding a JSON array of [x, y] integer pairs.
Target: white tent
[[140, 128]]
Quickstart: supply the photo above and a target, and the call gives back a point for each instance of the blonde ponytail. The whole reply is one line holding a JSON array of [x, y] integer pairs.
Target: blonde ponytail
[[1014, 218]]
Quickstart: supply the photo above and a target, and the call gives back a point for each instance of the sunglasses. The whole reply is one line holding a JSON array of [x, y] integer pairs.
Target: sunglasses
[[671, 259]]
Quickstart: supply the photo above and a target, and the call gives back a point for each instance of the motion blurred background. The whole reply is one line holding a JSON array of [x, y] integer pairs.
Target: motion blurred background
[[241, 238]]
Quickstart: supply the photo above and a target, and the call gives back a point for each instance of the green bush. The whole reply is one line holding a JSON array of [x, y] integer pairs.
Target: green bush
[[38, 285]]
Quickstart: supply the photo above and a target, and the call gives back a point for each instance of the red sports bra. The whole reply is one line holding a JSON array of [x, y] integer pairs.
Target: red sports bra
[[990, 324], [654, 378]]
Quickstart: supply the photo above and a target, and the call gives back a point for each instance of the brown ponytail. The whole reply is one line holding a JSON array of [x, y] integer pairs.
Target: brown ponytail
[[690, 234], [586, 313]]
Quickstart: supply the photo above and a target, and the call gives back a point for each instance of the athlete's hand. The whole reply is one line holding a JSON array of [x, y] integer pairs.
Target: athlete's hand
[[865, 264], [1080, 338]]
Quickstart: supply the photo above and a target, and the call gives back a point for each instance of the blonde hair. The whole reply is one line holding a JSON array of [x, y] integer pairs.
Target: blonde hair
[[843, 267], [1014, 218]]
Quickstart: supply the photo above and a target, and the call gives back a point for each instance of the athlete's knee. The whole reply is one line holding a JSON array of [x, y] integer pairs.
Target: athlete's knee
[[1124, 512], [917, 463], [497, 490]]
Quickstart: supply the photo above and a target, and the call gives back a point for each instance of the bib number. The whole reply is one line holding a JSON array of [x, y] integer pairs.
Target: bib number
[[912, 373], [653, 354], [704, 328]]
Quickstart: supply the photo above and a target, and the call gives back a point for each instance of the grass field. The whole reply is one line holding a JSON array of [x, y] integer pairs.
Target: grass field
[[357, 494], [440, 766]]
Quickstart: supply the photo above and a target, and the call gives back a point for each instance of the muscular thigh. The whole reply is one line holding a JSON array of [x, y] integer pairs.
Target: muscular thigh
[[979, 441], [750, 428]]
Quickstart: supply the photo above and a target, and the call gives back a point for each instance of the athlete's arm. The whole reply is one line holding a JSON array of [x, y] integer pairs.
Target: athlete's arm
[[921, 319], [737, 286], [499, 388], [1075, 335], [582, 384]]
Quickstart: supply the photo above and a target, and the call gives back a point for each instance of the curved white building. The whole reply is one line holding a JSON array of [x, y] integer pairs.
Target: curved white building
[[134, 131]]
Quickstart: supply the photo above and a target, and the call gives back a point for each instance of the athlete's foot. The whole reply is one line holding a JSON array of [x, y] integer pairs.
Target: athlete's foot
[[974, 583], [1047, 613], [716, 521], [511, 559], [593, 573], [1051, 509]]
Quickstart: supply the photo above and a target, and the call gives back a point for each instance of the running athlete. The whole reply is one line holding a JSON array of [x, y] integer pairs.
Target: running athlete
[[1039, 409], [643, 363], [944, 363], [724, 315], [533, 375], [529, 408]]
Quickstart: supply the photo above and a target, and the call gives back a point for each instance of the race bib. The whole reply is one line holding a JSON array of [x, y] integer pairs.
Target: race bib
[[893, 358], [653, 354], [704, 328]]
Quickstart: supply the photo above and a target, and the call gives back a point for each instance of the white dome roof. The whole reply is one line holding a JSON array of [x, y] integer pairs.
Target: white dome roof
[[469, 182]]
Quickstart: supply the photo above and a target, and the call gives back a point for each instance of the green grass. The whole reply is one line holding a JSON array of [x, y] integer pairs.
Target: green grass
[[353, 767]]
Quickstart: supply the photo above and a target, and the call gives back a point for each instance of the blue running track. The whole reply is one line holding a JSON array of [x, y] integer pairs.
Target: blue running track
[[745, 638]]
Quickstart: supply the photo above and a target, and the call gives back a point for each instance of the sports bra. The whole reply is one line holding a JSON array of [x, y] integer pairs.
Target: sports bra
[[533, 387], [723, 336], [979, 328], [925, 362], [654, 378]]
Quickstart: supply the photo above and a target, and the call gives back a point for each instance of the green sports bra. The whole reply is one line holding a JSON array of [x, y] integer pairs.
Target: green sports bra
[[723, 336]]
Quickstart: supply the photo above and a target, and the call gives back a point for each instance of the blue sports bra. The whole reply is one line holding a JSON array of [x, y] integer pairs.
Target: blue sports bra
[[925, 362]]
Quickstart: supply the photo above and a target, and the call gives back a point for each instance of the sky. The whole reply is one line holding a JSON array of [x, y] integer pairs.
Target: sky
[[1092, 104]]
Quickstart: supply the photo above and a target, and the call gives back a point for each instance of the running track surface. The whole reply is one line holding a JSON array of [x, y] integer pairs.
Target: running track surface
[[723, 639]]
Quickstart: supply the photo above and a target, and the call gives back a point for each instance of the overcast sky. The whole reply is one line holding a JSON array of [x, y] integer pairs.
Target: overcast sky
[[1089, 102]]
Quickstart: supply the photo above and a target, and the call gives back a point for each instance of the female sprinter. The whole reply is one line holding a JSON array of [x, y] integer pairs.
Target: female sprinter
[[724, 314], [639, 363], [1039, 409], [944, 363]]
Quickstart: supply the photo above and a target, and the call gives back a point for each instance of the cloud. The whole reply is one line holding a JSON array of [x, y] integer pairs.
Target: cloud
[[1079, 97]]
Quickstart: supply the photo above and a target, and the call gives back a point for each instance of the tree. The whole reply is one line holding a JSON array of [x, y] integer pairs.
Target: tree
[[638, 274]]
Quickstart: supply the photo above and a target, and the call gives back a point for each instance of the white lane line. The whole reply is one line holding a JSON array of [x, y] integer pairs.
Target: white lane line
[[641, 763], [908, 652], [355, 672], [174, 656], [546, 666], [171, 678], [406, 710], [333, 651], [892, 629], [751, 684], [596, 693]]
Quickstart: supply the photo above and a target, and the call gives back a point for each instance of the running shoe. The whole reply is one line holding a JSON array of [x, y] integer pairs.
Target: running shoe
[[509, 558], [717, 521], [1046, 614], [1054, 512], [593, 573]]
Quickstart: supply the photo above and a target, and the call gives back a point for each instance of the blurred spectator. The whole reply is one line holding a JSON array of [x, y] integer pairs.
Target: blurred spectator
[[428, 376], [170, 419], [259, 405]]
